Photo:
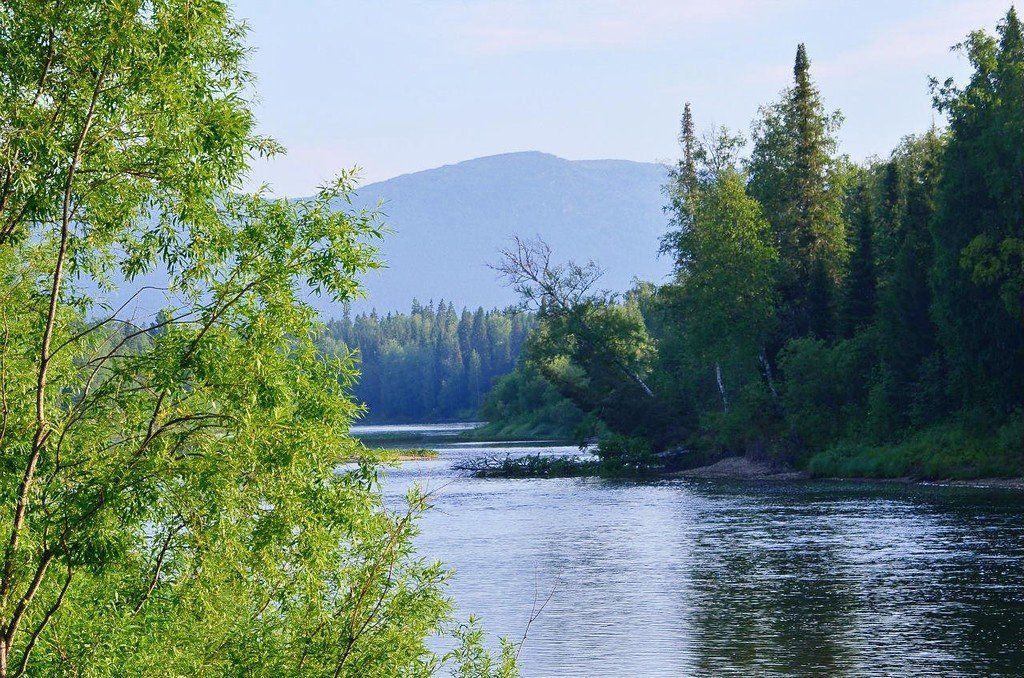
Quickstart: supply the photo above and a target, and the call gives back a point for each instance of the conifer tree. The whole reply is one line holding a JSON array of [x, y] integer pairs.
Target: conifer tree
[[682, 182], [795, 176], [860, 293]]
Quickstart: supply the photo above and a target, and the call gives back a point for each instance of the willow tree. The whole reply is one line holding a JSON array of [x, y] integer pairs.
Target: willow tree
[[169, 495]]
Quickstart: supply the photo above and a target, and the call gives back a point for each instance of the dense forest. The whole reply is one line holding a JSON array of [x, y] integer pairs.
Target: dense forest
[[432, 364], [851, 319]]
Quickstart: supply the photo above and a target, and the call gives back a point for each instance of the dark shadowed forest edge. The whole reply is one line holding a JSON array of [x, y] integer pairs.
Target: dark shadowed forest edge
[[827, 317]]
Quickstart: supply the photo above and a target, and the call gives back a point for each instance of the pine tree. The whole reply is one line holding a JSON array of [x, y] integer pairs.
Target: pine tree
[[860, 294], [795, 176]]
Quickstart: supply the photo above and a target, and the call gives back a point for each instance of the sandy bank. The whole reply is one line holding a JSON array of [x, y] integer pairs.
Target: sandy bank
[[742, 468]]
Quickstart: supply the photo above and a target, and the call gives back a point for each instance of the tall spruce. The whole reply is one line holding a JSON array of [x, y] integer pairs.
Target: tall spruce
[[859, 298], [795, 175], [908, 336], [681, 185]]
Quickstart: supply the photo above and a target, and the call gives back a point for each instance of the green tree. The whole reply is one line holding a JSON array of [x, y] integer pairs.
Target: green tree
[[682, 182], [978, 231], [860, 292], [728, 282], [595, 350], [907, 337], [428, 365], [170, 494], [795, 175]]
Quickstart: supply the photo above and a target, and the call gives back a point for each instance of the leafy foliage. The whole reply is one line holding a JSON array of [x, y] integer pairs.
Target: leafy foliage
[[171, 495], [522, 404]]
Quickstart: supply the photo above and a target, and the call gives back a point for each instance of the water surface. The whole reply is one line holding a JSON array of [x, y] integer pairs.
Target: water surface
[[693, 577]]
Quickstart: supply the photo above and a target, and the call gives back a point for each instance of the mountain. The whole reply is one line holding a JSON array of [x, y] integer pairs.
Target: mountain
[[448, 223]]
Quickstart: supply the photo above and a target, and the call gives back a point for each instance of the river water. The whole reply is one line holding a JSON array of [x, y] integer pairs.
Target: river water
[[696, 577]]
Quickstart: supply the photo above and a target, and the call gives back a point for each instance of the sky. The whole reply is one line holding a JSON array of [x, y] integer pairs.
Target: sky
[[400, 86]]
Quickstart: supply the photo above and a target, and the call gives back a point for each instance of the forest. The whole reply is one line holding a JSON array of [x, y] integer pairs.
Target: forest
[[849, 319], [432, 364]]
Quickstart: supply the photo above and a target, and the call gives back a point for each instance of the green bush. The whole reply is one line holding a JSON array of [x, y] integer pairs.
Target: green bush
[[825, 388], [947, 451], [622, 455]]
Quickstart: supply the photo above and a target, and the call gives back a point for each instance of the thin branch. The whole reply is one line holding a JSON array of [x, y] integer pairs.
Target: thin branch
[[164, 549], [23, 665]]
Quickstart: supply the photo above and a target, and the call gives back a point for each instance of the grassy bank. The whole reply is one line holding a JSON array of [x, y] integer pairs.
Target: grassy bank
[[953, 451], [516, 430]]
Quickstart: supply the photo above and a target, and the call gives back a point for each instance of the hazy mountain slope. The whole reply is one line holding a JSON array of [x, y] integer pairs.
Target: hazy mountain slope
[[450, 221]]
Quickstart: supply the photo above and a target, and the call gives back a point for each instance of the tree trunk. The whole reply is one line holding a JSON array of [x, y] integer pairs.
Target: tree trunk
[[768, 378], [721, 387]]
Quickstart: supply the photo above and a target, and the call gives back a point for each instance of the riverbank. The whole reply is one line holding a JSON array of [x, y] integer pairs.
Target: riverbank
[[743, 468], [740, 468]]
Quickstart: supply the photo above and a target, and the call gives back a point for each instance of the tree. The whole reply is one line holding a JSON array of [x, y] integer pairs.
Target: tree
[[428, 365], [860, 293], [978, 231], [726, 290], [682, 181], [595, 351], [170, 493], [908, 335], [795, 176]]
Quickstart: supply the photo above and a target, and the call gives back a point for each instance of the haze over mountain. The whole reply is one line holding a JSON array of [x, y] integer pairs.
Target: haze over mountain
[[449, 222]]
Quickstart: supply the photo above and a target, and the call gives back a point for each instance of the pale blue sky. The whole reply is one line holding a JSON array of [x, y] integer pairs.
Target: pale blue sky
[[396, 87]]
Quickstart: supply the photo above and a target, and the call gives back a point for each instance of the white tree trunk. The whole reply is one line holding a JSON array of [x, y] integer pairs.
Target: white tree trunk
[[767, 367], [721, 387]]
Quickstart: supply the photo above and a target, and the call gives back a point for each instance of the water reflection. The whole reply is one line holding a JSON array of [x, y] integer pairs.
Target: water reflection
[[711, 578]]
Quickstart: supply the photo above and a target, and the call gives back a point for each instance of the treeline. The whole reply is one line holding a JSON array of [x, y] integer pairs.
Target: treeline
[[431, 364], [854, 319]]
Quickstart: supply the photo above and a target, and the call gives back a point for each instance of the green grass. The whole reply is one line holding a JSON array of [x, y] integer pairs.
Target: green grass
[[515, 431], [943, 452]]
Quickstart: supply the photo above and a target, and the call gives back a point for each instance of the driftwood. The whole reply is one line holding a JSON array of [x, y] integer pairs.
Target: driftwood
[[527, 466]]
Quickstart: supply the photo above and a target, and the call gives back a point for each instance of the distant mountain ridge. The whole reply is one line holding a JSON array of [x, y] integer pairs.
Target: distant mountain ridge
[[448, 223]]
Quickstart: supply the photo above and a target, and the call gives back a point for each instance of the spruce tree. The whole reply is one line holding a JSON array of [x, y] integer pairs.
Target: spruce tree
[[681, 185], [794, 175], [861, 285]]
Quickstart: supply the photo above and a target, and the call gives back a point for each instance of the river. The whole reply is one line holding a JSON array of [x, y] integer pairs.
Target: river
[[696, 577]]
